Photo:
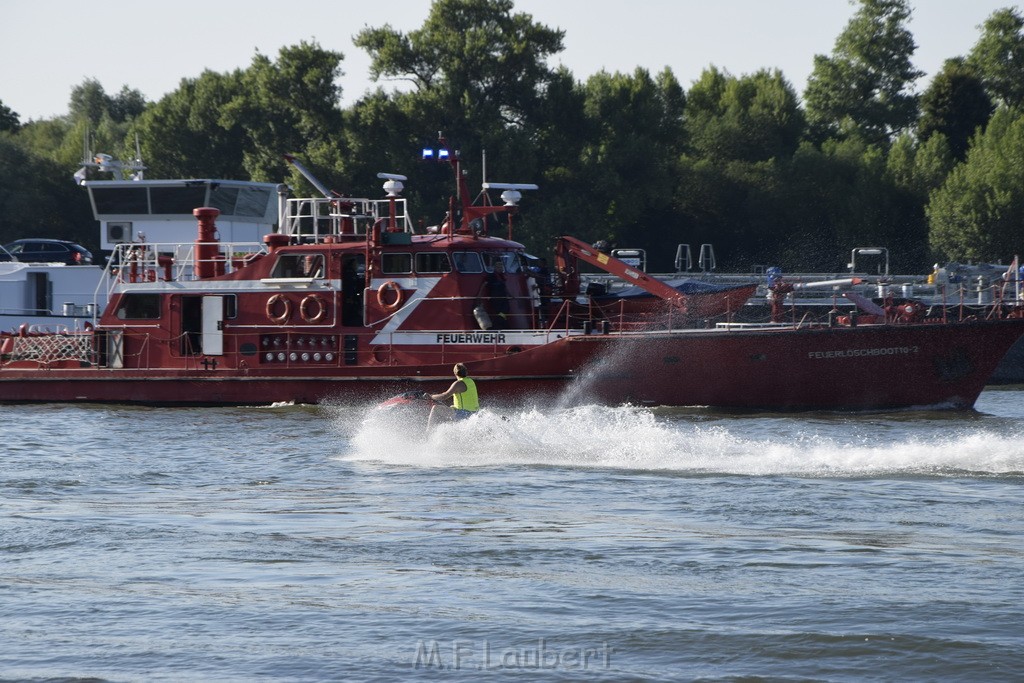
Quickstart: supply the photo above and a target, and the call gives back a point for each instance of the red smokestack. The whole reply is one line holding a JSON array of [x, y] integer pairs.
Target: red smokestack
[[207, 250]]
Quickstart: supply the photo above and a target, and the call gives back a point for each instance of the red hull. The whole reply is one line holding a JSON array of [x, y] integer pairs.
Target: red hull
[[838, 368], [347, 302]]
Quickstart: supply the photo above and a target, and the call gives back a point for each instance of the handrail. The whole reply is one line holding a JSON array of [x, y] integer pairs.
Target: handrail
[[319, 217]]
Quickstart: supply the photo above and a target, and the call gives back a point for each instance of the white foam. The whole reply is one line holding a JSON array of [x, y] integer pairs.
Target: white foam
[[634, 438]]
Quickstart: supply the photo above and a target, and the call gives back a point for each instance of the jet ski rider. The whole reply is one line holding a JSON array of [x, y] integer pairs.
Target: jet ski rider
[[465, 401]]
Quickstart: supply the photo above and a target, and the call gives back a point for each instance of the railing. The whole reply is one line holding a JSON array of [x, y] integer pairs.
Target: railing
[[314, 218], [173, 262]]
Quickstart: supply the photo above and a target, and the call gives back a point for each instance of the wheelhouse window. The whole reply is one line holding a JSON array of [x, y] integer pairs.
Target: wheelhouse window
[[396, 264], [240, 201], [509, 259], [433, 262], [467, 262], [121, 200], [139, 307], [299, 266], [177, 200]]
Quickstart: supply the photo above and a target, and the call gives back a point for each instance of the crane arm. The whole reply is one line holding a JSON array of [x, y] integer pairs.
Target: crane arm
[[569, 249]]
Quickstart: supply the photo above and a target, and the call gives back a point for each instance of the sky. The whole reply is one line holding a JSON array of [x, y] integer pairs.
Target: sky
[[47, 47]]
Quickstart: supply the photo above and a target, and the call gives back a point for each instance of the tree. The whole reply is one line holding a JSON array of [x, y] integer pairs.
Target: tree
[[751, 118], [475, 58], [919, 167], [998, 57], [127, 104], [241, 124], [90, 101], [955, 105], [291, 105], [39, 199], [633, 135], [978, 211], [479, 74], [9, 120], [182, 135], [864, 88]]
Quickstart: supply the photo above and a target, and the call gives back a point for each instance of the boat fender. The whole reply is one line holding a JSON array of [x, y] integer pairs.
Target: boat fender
[[286, 311], [390, 285], [313, 302], [482, 318]]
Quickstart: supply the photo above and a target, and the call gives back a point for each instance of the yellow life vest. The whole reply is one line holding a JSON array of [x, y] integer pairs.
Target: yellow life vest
[[468, 399]]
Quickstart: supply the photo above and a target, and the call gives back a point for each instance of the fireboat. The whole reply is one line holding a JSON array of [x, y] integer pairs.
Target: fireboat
[[346, 301]]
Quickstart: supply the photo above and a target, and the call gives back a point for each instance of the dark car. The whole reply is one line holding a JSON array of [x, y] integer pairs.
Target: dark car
[[49, 251]]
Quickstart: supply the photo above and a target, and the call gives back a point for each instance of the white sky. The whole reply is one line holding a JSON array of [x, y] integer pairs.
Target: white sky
[[49, 46]]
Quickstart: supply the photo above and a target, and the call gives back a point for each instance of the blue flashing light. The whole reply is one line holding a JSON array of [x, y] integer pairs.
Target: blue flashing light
[[428, 153], [442, 154]]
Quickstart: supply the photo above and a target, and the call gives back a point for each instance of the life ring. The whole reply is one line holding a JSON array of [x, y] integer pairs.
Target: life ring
[[285, 314], [390, 285], [321, 309]]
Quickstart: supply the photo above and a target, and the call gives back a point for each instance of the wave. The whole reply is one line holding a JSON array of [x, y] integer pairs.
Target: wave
[[640, 439]]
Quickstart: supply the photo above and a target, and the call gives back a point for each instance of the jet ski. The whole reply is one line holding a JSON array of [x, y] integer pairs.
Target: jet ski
[[410, 404]]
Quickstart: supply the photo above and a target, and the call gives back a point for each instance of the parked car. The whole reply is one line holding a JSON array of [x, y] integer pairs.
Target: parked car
[[49, 251]]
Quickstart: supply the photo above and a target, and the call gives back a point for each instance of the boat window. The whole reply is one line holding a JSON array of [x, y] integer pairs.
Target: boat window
[[231, 306], [139, 307], [467, 262], [433, 262], [396, 264], [299, 265], [240, 201], [177, 200], [252, 202], [224, 198], [509, 259], [120, 200]]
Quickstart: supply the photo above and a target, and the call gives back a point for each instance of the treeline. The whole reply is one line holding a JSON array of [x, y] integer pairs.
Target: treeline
[[766, 175]]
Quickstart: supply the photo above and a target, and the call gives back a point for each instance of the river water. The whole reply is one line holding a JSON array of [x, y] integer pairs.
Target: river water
[[298, 543]]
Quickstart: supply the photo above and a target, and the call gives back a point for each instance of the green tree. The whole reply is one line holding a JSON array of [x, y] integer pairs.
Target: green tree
[[38, 198], [919, 167], [978, 211], [956, 105], [751, 118], [183, 135], [241, 124], [290, 105], [475, 56], [998, 57], [479, 73], [9, 120], [127, 104], [865, 87], [634, 134], [90, 101]]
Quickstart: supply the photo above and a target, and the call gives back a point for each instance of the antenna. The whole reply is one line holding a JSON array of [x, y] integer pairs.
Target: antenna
[[139, 168]]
